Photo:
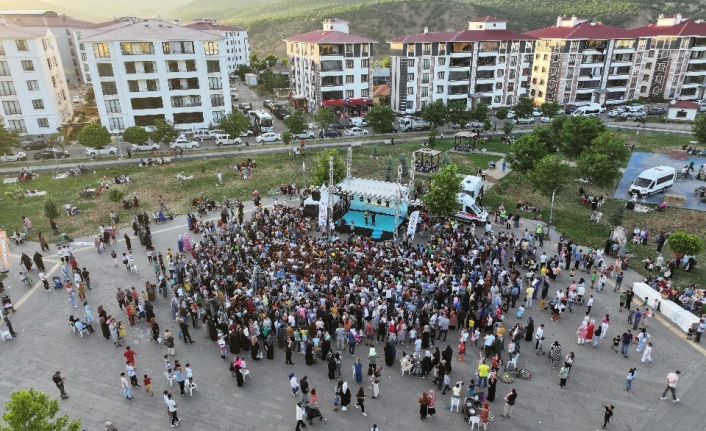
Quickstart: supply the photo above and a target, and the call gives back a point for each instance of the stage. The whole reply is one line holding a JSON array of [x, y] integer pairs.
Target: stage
[[383, 228]]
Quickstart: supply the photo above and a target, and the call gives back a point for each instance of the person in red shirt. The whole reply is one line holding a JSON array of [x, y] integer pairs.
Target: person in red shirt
[[130, 356], [147, 381]]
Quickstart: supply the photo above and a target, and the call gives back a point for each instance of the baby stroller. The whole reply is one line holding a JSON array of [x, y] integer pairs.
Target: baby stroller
[[416, 365], [57, 282], [312, 413]]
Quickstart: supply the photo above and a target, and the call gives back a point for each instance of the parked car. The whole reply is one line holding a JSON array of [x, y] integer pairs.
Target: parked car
[[51, 153], [146, 146], [269, 137], [510, 115], [356, 131], [225, 139], [203, 135], [330, 133], [359, 122], [475, 125], [13, 157], [182, 142], [537, 113], [525, 120], [33, 145], [269, 104], [107, 151], [656, 111], [545, 119], [307, 134], [246, 133]]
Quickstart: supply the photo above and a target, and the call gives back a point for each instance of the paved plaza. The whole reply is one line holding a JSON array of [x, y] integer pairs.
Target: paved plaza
[[92, 366]]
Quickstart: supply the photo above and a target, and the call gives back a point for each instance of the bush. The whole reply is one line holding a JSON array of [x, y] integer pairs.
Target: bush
[[115, 195]]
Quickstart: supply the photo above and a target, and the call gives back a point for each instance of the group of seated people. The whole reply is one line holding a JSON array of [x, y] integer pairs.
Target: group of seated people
[[18, 237], [692, 150], [25, 175], [153, 162], [426, 167], [122, 179]]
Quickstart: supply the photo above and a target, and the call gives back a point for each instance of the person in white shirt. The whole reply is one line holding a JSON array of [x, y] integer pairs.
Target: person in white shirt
[[672, 379], [539, 340], [172, 407]]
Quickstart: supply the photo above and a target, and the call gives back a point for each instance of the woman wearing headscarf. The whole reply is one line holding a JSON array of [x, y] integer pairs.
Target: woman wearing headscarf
[[555, 354], [492, 381], [331, 364], [345, 396], [529, 331], [390, 353]]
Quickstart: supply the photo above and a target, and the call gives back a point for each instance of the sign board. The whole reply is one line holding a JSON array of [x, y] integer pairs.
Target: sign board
[[323, 208], [412, 225]]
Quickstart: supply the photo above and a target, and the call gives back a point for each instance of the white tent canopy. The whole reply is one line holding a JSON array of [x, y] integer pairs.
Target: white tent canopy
[[373, 189]]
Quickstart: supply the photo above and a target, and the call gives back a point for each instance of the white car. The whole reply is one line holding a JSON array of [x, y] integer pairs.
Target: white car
[[145, 146], [356, 131], [225, 139], [475, 124], [184, 143], [359, 121], [203, 135], [510, 115], [246, 134], [307, 134], [13, 157], [537, 113], [545, 119], [268, 137], [108, 151], [526, 120]]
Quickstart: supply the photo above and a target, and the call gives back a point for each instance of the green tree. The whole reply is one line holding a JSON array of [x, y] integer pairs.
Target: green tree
[[389, 168], [436, 113], [296, 122], [480, 113], [270, 81], [287, 137], [51, 212], [320, 173], [549, 174], [501, 113], [598, 168], [459, 114], [234, 124], [242, 70], [405, 167], [613, 146], [548, 137], [550, 109], [577, 133], [8, 138], [90, 97], [387, 62], [431, 139], [699, 128], [94, 135], [164, 132], [526, 152], [136, 135], [29, 410], [442, 198], [324, 118], [507, 127], [487, 125], [524, 107], [381, 119], [684, 243]]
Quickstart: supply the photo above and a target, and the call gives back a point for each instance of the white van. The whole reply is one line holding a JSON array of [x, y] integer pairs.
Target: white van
[[472, 189], [653, 180], [588, 109]]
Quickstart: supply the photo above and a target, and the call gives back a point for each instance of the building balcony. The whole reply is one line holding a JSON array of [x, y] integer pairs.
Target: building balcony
[[586, 90], [592, 77], [697, 60], [618, 76], [457, 96], [591, 63]]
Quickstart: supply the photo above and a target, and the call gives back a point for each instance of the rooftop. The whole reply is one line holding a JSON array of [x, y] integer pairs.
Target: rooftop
[[146, 30], [43, 19], [12, 31], [212, 26], [686, 27], [685, 104], [583, 30], [323, 36], [462, 36]]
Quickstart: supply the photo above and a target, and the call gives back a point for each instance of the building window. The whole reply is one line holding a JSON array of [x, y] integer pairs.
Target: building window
[[112, 106], [440, 75], [11, 107], [365, 92], [22, 45], [148, 66], [350, 94], [130, 67], [133, 86], [17, 125], [105, 69], [349, 64], [410, 49], [211, 48], [410, 62], [365, 49], [410, 91], [441, 61], [217, 100], [350, 79], [214, 83], [363, 78], [426, 49], [218, 116], [349, 49], [38, 104], [410, 105], [101, 50], [439, 89], [410, 77], [425, 92], [213, 66], [137, 48], [426, 64], [365, 63], [4, 68], [27, 65], [7, 88], [109, 88], [425, 78], [178, 47], [43, 122], [442, 50], [116, 124]]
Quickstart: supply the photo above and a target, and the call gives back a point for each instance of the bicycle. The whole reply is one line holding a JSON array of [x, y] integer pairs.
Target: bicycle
[[509, 375]]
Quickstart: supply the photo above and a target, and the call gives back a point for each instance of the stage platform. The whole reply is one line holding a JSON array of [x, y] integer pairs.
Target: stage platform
[[383, 229]]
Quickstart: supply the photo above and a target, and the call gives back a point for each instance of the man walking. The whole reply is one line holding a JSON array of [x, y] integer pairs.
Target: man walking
[[300, 417], [172, 408], [125, 384], [510, 399], [59, 382], [672, 379], [185, 331], [607, 415], [699, 331], [626, 341]]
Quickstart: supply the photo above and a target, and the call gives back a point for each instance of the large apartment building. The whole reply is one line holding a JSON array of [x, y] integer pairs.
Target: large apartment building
[[144, 70], [33, 91], [237, 43], [63, 28], [331, 68], [486, 63], [670, 60]]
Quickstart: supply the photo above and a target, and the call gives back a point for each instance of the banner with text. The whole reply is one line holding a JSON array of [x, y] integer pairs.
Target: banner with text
[[412, 225]]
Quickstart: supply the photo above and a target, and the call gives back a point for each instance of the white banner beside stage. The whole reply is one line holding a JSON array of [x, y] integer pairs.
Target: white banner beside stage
[[681, 317], [412, 225], [323, 208]]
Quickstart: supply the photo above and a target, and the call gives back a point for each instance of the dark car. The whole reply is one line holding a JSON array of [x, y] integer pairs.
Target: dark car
[[33, 145], [330, 133], [51, 153], [340, 126], [656, 111]]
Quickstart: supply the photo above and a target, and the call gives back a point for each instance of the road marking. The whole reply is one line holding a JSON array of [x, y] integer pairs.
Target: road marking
[[34, 288]]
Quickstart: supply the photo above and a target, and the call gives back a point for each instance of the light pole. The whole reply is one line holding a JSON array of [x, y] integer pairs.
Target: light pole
[[551, 212]]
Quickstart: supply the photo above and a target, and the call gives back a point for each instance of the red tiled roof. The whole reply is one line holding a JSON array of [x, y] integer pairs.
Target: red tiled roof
[[324, 36], [686, 28], [582, 31], [685, 104], [208, 26], [462, 36], [46, 20]]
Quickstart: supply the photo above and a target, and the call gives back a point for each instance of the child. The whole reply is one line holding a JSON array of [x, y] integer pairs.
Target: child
[[520, 312], [630, 315], [168, 366], [589, 304], [616, 343], [461, 350], [147, 381]]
